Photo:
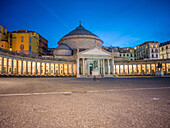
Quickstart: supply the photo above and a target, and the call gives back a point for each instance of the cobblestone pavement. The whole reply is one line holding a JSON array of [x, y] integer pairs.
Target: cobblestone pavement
[[121, 108]]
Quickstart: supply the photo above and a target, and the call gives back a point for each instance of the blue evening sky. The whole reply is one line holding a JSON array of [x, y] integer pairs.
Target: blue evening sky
[[123, 23]]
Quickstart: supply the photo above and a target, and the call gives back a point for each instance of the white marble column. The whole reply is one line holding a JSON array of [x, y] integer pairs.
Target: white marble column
[[26, 67], [88, 67], [78, 66], [83, 66], [7, 64], [63, 69], [12, 66], [54, 70], [21, 67], [123, 69], [113, 71], [40, 68], [98, 64], [67, 69], [36, 68], [17, 66], [58, 70], [128, 69], [103, 67], [119, 70], [49, 69], [108, 67]]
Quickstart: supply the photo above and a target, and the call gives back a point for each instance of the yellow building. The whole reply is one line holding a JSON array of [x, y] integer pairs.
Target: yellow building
[[3, 38], [23, 41]]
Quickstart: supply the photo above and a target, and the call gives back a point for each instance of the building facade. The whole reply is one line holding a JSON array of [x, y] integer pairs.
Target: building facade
[[165, 50], [4, 43], [147, 50], [80, 53]]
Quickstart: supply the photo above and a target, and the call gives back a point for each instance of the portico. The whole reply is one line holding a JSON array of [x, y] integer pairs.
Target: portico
[[95, 60]]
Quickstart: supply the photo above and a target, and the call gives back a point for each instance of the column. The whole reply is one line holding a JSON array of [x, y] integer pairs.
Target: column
[[36, 68], [72, 69], [45, 69], [83, 67], [77, 66], [2, 65], [54, 70], [40, 68], [21, 67], [108, 67], [26, 67], [113, 71], [128, 69], [67, 69], [137, 68], [165, 69], [141, 70], [150, 69], [119, 70], [58, 70], [63, 69], [146, 68], [31, 68], [132, 69], [88, 67], [17, 66], [155, 69], [98, 64], [12, 66], [7, 66], [123, 69], [103, 67], [49, 69]]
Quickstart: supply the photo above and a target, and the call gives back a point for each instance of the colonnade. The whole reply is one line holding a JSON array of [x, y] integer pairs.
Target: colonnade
[[141, 68], [18, 66]]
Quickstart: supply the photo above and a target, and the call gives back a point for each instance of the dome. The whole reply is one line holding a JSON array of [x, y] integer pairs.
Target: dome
[[81, 38], [62, 50], [63, 46], [80, 30]]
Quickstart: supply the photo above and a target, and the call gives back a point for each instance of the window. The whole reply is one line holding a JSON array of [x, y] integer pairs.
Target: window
[[120, 54], [123, 54], [37, 44], [152, 50], [156, 55], [156, 50], [30, 39], [162, 48], [127, 54], [4, 30], [22, 39], [166, 47], [131, 55], [152, 56], [30, 48]]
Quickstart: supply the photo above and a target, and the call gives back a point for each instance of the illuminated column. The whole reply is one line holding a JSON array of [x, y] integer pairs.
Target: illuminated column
[[58, 69], [155, 68], [103, 67], [12, 66], [17, 66], [26, 67], [36, 68], [108, 67], [45, 69], [98, 64], [128, 69], [132, 69], [49, 69], [141, 70], [72, 69], [123, 69], [77, 66], [137, 68], [146, 68], [40, 68], [2, 65], [54, 70], [165, 69], [88, 67], [67, 69], [119, 70], [21, 67], [63, 69], [150, 69], [7, 66], [31, 68]]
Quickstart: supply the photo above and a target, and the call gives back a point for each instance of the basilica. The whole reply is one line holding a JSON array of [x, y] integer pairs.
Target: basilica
[[79, 53]]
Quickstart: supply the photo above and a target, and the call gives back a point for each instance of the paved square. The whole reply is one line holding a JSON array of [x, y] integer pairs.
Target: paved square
[[73, 102]]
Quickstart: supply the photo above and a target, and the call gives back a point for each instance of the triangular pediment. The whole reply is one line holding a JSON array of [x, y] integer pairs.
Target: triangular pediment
[[96, 51]]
